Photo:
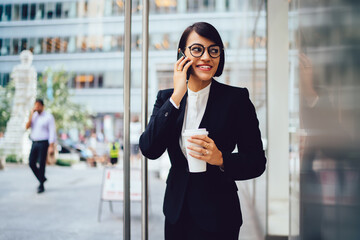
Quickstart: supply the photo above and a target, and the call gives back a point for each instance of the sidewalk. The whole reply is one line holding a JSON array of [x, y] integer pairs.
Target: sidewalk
[[69, 206]]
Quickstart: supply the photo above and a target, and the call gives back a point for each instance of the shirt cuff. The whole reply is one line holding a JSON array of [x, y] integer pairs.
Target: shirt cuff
[[173, 103]]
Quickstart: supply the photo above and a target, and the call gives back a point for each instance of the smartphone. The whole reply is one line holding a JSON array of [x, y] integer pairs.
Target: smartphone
[[179, 55]]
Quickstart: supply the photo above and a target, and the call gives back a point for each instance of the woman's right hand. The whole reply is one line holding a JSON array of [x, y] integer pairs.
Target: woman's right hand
[[180, 87]]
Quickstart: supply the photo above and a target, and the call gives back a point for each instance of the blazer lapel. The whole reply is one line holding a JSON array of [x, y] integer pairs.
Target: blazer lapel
[[210, 106]]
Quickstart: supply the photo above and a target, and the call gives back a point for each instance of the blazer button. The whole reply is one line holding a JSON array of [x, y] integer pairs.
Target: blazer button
[[166, 114]]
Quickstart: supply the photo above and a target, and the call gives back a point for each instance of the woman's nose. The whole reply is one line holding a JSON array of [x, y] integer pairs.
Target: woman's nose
[[206, 55]]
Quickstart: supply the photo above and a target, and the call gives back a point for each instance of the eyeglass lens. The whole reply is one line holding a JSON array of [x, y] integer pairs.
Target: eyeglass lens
[[197, 50]]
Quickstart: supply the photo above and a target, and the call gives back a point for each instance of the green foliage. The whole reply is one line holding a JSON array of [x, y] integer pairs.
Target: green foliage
[[12, 158], [6, 100], [66, 113], [65, 162]]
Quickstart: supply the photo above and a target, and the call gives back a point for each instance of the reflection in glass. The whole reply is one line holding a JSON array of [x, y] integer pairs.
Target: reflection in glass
[[327, 179]]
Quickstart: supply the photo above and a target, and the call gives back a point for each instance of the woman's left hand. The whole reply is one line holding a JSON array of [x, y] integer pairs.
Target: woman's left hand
[[208, 152]]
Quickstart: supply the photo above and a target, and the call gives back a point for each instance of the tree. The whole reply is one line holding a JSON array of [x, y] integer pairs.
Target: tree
[[6, 99], [67, 114]]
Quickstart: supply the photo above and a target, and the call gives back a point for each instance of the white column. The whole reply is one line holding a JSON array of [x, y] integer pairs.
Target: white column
[[278, 120]]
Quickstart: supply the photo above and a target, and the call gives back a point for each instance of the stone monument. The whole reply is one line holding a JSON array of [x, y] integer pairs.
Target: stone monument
[[16, 139]]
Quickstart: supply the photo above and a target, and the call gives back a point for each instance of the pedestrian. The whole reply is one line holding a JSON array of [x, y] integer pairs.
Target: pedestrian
[[204, 205], [43, 136], [114, 152]]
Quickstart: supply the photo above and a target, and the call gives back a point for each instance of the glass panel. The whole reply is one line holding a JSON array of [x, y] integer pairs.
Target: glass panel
[[324, 97]]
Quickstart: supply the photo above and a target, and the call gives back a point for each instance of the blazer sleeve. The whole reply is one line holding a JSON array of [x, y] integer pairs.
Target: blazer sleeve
[[249, 162], [153, 141]]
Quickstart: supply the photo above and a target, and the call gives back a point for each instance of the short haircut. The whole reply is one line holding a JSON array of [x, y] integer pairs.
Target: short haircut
[[39, 100], [208, 31]]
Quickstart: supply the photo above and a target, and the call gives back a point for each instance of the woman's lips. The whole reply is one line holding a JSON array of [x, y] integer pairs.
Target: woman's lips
[[204, 67]]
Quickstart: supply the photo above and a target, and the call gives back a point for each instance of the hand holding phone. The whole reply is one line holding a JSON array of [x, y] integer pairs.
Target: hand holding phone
[[181, 75], [179, 55]]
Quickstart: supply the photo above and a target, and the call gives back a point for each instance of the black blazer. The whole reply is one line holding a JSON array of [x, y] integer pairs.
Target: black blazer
[[211, 196]]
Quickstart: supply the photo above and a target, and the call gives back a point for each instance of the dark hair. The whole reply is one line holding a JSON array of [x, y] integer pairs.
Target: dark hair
[[208, 31], [38, 100]]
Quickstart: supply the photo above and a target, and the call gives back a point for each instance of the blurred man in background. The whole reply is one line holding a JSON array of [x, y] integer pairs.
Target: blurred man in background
[[43, 136]]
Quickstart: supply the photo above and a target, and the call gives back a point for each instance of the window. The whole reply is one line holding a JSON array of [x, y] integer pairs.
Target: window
[[39, 46], [16, 12], [49, 45], [69, 9], [5, 48], [100, 81], [23, 44], [32, 11], [1, 12], [107, 43], [50, 10], [118, 7], [24, 11], [65, 44], [58, 10], [71, 46], [40, 14], [57, 44], [82, 9], [108, 8], [15, 46], [7, 12], [32, 45], [4, 79]]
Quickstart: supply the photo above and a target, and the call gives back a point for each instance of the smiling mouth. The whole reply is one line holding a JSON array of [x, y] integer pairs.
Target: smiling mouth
[[204, 67]]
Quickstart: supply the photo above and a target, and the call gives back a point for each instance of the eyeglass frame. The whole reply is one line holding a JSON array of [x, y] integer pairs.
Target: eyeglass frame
[[221, 49]]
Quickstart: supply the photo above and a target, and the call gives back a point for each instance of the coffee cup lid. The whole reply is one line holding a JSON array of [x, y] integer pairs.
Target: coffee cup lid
[[199, 131]]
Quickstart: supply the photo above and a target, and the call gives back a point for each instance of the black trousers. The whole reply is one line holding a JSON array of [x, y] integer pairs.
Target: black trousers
[[38, 154], [187, 229]]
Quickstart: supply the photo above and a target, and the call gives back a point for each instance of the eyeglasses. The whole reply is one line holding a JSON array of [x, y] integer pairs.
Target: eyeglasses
[[197, 50]]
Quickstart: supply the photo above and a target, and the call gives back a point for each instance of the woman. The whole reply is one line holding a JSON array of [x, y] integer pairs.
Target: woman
[[204, 205]]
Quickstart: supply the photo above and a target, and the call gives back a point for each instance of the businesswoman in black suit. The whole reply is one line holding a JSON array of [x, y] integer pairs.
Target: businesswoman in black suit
[[204, 205]]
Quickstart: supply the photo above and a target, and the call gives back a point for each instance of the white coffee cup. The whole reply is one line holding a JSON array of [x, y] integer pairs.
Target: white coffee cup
[[195, 165]]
